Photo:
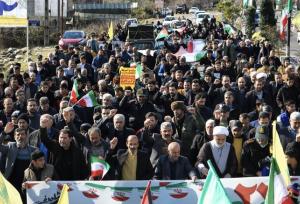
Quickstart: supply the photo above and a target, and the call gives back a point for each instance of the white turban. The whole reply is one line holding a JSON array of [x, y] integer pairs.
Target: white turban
[[220, 130]]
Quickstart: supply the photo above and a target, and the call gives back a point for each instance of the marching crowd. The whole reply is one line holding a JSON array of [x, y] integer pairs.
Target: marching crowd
[[178, 116]]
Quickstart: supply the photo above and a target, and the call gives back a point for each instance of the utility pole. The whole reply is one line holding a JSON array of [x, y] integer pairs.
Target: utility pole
[[46, 23], [58, 16], [62, 17]]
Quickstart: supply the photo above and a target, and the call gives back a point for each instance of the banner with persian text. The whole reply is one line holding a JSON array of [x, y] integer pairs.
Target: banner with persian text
[[127, 77], [13, 13], [240, 190]]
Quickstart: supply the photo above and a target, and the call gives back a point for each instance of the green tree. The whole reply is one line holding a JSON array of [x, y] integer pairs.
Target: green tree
[[229, 9], [267, 14], [250, 21]]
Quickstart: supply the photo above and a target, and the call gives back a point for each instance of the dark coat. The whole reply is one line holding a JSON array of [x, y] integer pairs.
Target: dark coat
[[184, 170], [144, 169], [251, 99], [252, 157], [206, 154], [79, 168], [198, 142]]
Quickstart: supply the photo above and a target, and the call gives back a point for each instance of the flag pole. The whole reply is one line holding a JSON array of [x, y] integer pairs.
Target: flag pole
[[288, 46], [27, 40]]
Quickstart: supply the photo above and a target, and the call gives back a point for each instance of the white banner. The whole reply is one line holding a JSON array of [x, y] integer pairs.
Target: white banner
[[240, 190], [13, 13]]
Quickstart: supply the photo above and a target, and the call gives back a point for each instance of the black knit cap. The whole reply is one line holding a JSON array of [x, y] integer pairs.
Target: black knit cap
[[23, 116], [37, 154]]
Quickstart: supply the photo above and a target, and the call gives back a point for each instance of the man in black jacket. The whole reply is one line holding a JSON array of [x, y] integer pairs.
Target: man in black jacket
[[173, 166], [68, 159]]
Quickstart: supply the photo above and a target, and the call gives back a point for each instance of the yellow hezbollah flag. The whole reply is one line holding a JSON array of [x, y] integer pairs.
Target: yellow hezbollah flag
[[279, 155], [8, 193], [111, 31], [64, 196]]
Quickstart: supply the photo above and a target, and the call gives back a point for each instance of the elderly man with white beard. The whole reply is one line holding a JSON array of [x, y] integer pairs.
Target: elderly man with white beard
[[221, 154]]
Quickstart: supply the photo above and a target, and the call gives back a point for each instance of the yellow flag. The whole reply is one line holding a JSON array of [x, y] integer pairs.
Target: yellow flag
[[64, 195], [111, 31], [8, 193], [279, 155]]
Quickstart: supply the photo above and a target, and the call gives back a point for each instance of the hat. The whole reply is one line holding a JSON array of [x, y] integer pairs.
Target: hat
[[222, 107], [262, 131], [16, 113], [23, 116], [220, 130], [85, 127], [261, 75], [37, 154], [178, 105], [235, 124], [142, 92]]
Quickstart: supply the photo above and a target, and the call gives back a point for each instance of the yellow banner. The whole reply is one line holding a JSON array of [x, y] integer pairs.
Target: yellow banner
[[15, 22], [127, 77]]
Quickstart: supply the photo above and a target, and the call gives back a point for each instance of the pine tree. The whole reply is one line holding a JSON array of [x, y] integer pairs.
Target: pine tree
[[267, 14], [250, 21]]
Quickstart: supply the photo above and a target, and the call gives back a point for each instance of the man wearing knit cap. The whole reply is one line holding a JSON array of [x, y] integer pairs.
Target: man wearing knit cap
[[38, 169], [256, 152], [185, 125], [221, 154], [136, 110]]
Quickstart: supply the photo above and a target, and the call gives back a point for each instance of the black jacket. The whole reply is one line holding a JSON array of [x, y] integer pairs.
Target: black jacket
[[183, 169], [79, 168], [144, 169]]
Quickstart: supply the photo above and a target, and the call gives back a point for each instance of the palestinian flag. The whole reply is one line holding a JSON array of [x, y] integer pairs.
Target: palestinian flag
[[74, 93], [163, 34], [195, 56], [147, 196], [138, 69], [277, 190], [98, 167], [88, 100]]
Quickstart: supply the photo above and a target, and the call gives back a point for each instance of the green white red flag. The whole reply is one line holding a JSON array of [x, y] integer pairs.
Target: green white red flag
[[277, 190], [74, 93], [147, 196], [284, 19], [88, 100], [98, 167]]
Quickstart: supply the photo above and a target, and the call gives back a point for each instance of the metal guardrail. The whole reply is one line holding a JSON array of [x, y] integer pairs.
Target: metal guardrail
[[96, 6]]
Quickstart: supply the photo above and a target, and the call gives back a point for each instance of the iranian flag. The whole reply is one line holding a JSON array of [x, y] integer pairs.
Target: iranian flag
[[98, 167], [213, 190], [88, 100], [74, 93], [147, 196], [277, 190], [162, 34], [284, 19]]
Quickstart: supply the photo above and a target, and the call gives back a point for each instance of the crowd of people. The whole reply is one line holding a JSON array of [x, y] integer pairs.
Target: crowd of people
[[178, 116]]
